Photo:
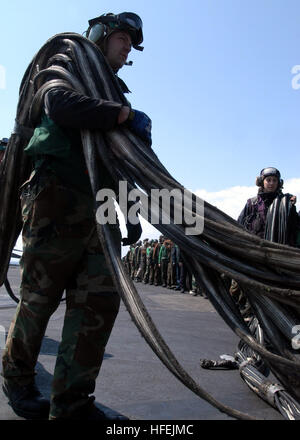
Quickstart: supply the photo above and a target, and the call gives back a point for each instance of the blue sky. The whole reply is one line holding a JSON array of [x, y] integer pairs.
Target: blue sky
[[215, 77]]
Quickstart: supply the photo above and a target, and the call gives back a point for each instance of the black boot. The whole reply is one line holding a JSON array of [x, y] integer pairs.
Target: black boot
[[90, 412], [26, 401]]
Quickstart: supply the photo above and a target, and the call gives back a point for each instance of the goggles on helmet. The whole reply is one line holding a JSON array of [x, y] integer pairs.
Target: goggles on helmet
[[265, 172], [126, 21], [3, 143]]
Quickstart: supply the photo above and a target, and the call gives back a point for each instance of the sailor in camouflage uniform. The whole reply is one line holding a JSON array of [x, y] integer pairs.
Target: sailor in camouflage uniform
[[61, 249]]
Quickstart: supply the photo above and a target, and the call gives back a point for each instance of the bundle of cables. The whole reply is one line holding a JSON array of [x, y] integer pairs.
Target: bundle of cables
[[224, 250]]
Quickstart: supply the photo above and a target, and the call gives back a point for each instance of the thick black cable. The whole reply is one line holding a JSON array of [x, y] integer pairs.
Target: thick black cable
[[223, 247]]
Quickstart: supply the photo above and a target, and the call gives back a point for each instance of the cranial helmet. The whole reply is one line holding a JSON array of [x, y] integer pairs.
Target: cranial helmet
[[266, 172], [3, 143], [101, 27]]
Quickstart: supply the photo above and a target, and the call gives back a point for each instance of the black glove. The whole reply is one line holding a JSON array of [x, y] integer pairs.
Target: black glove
[[134, 232], [141, 124]]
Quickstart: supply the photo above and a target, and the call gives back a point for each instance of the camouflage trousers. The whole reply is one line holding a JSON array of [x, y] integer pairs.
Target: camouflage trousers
[[147, 272], [141, 270], [171, 275], [151, 273], [61, 252]]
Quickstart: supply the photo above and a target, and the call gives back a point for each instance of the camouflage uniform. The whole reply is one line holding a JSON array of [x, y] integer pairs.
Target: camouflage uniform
[[151, 263], [132, 262], [127, 264], [61, 250], [137, 257], [142, 262], [156, 268]]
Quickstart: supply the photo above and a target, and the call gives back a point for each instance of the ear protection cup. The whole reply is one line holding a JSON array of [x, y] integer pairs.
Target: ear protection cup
[[259, 181], [96, 32]]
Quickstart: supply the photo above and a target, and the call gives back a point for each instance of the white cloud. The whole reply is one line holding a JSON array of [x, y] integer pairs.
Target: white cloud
[[230, 200]]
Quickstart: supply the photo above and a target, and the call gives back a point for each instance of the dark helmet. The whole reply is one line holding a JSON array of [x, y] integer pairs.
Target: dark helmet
[[101, 27], [266, 172], [3, 144]]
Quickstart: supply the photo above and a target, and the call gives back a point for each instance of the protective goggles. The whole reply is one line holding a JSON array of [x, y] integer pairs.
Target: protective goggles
[[126, 21], [265, 172]]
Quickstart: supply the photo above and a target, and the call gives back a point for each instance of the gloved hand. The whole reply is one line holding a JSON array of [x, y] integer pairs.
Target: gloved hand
[[141, 124], [134, 232]]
